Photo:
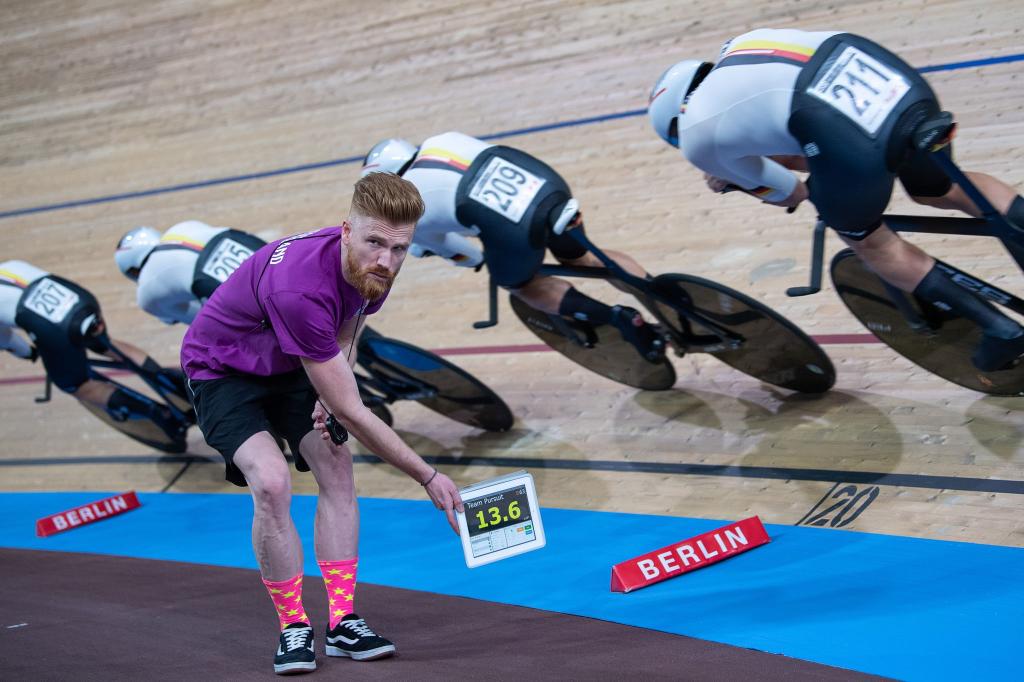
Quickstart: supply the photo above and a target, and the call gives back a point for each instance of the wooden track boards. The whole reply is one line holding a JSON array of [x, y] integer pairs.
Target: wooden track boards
[[100, 100]]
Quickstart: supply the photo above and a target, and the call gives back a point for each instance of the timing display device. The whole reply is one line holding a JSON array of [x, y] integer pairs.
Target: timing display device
[[501, 519]]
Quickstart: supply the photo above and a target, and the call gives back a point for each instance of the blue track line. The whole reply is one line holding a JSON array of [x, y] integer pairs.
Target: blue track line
[[953, 66]]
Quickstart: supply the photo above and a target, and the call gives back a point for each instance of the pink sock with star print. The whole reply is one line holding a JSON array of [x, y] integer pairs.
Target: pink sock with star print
[[287, 597], [340, 579]]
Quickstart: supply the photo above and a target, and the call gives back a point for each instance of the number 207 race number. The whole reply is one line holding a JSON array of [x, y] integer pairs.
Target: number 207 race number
[[861, 88], [51, 300], [505, 188]]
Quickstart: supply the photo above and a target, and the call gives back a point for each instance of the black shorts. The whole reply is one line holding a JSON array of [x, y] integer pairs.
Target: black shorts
[[853, 171], [232, 409], [514, 249], [57, 333]]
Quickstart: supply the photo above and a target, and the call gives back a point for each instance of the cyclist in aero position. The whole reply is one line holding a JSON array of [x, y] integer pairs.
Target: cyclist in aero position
[[63, 320], [844, 109], [177, 271], [517, 205]]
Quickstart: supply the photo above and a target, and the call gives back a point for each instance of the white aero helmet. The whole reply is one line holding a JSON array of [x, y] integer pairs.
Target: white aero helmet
[[668, 96], [390, 156], [133, 250]]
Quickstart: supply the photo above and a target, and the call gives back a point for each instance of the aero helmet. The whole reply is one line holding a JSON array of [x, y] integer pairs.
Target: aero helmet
[[133, 250], [391, 156], [668, 96]]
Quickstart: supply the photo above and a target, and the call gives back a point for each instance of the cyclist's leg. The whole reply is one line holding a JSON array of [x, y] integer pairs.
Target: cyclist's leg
[[892, 258], [545, 293], [68, 369], [573, 303], [910, 269], [928, 184], [115, 348], [1002, 197]]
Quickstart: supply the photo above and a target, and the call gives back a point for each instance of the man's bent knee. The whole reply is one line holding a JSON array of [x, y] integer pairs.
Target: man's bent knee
[[265, 469]]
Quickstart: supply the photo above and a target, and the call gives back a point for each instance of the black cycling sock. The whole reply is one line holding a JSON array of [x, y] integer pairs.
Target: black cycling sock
[[151, 365], [938, 288], [121, 405], [1016, 212], [582, 307]]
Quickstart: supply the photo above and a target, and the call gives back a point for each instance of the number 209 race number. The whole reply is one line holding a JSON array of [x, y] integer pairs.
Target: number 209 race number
[[506, 189]]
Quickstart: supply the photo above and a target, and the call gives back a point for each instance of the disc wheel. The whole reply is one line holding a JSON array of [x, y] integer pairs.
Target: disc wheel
[[459, 395], [144, 430], [609, 355], [931, 338], [774, 350]]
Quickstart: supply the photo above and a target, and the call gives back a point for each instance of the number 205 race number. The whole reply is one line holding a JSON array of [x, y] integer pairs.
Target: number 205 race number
[[505, 188], [861, 88], [226, 259]]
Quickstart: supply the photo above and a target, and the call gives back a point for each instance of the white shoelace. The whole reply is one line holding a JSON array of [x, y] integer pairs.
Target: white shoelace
[[360, 627], [295, 638]]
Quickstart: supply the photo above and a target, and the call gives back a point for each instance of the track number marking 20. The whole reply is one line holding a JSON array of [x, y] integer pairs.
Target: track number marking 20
[[840, 507]]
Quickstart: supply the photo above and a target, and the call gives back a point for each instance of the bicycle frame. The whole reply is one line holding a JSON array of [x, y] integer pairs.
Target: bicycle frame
[[148, 377], [388, 386], [128, 366], [613, 271]]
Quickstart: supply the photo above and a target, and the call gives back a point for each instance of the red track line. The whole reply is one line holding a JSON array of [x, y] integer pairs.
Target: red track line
[[823, 339], [484, 350]]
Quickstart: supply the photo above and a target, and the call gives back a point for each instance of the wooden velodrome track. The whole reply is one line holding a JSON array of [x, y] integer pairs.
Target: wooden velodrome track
[[113, 97]]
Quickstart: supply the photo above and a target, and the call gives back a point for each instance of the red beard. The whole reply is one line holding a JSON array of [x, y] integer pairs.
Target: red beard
[[369, 287]]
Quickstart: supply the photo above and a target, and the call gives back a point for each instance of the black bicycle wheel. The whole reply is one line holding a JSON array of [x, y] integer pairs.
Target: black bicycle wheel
[[143, 430], [459, 395], [938, 340], [774, 350], [609, 355]]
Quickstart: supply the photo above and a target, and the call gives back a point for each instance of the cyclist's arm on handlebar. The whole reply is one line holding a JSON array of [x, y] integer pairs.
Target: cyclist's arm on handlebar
[[15, 344]]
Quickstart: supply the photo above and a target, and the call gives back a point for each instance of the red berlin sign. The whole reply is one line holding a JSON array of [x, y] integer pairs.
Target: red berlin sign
[[688, 555], [87, 513]]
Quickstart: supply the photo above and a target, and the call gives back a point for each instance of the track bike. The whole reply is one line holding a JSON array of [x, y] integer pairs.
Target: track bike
[[693, 314], [925, 333]]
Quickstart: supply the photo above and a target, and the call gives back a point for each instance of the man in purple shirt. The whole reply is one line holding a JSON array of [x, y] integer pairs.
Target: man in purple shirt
[[277, 333]]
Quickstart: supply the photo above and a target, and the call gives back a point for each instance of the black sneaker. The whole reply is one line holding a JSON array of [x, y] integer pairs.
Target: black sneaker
[[352, 637], [993, 354], [641, 335], [295, 652]]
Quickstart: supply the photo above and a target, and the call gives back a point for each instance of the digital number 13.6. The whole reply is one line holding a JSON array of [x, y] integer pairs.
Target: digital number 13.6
[[496, 516]]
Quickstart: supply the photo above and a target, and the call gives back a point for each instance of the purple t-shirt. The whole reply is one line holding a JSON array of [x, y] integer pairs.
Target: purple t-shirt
[[300, 307]]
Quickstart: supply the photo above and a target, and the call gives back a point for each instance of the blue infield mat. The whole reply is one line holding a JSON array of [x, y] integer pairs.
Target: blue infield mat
[[901, 607]]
